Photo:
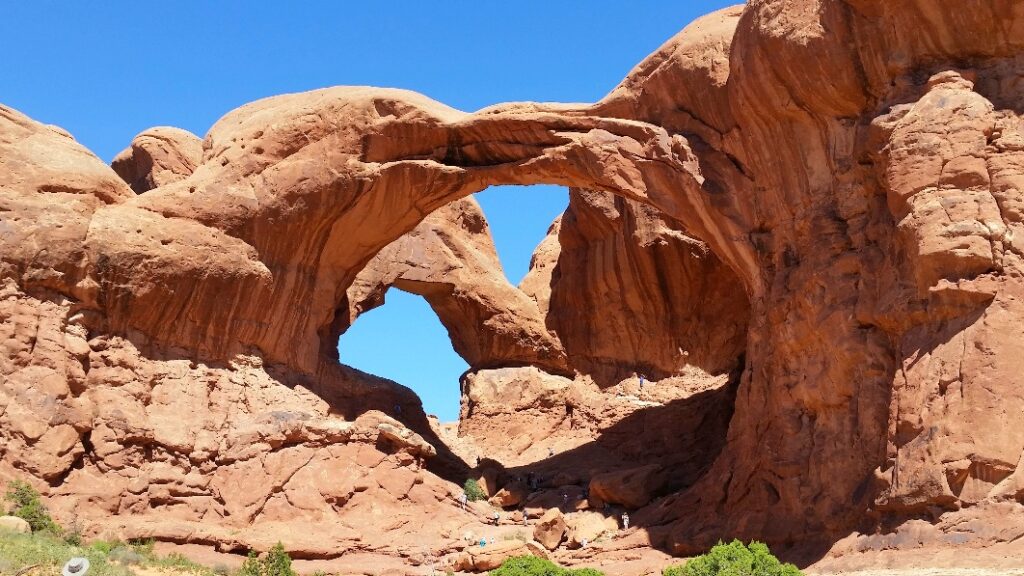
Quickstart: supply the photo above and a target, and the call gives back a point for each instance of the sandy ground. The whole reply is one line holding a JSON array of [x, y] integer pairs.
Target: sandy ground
[[1006, 559]]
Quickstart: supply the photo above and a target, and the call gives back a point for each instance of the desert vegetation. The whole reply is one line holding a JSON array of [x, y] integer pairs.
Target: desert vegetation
[[533, 566], [734, 559], [44, 550]]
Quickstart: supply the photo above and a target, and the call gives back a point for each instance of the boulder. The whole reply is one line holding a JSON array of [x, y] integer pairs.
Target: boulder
[[550, 529], [511, 495], [588, 526], [537, 549], [565, 498], [158, 156], [14, 524], [633, 488], [484, 558], [406, 439]]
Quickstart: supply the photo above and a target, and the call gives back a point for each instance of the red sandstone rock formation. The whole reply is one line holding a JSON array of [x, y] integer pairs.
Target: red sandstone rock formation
[[158, 156], [628, 292], [450, 260], [856, 165]]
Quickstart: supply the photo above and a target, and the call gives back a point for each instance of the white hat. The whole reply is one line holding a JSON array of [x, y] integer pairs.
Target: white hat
[[76, 567]]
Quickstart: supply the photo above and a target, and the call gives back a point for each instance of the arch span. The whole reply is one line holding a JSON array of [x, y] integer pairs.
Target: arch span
[[316, 184]]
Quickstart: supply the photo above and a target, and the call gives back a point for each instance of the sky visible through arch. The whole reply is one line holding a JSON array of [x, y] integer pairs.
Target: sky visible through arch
[[418, 351], [106, 71]]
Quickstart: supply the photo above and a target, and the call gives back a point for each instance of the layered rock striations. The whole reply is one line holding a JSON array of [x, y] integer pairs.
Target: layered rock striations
[[823, 194], [629, 293]]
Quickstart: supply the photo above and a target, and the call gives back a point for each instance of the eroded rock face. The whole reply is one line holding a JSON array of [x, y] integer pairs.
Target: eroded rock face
[[633, 487], [629, 292], [450, 260], [550, 529], [158, 156], [14, 524], [856, 165]]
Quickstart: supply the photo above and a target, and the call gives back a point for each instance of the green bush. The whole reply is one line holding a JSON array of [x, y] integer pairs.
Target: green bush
[[25, 504], [473, 490], [50, 552], [105, 546], [528, 566], [175, 561], [275, 563], [533, 566], [734, 559], [143, 546], [106, 557], [278, 562]]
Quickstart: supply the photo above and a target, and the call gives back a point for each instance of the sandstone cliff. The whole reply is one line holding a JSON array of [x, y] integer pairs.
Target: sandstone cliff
[[629, 292]]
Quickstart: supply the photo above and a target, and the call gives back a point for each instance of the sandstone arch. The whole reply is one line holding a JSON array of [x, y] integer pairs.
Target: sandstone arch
[[868, 204], [450, 260]]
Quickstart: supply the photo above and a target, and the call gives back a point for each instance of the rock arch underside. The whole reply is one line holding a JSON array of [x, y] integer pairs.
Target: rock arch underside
[[798, 217]]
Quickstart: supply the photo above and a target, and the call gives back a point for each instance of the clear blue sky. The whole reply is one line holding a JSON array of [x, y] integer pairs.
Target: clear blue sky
[[107, 70]]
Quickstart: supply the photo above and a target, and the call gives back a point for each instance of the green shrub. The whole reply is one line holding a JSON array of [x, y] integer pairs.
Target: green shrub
[[275, 563], [25, 504], [473, 490], [252, 565], [533, 566], [176, 561], [50, 552], [734, 559], [105, 546], [528, 566], [106, 557], [143, 546], [278, 562]]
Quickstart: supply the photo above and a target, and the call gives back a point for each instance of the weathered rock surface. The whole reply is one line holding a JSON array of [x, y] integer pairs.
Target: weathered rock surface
[[550, 529], [585, 527], [450, 260], [627, 291], [633, 487], [158, 156], [14, 524], [484, 558], [511, 494], [167, 364]]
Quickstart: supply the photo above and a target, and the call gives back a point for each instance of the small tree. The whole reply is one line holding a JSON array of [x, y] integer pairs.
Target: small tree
[[473, 490], [277, 562], [734, 559], [27, 505], [252, 565]]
